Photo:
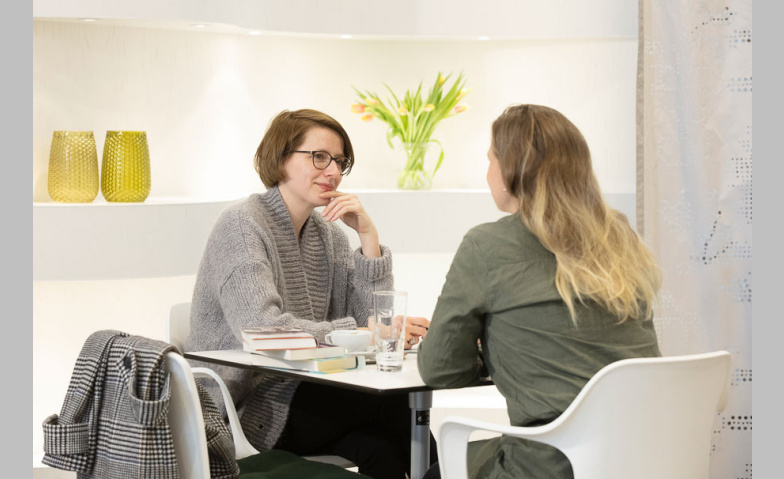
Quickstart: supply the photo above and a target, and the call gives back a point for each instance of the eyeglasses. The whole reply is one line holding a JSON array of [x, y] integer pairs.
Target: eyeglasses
[[322, 159]]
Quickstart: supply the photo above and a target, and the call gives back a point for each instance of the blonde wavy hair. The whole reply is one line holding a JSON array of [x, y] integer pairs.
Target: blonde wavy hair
[[546, 165]]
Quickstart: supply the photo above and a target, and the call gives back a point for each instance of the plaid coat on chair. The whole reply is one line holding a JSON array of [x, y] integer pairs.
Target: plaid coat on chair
[[114, 420]]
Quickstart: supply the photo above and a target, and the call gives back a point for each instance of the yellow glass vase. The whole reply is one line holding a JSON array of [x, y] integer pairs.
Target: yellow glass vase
[[125, 168], [73, 167]]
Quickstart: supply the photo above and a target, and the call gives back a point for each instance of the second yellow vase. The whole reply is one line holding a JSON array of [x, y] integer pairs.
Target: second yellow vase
[[125, 168]]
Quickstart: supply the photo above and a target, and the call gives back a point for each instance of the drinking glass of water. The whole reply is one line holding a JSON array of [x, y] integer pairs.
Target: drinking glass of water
[[389, 311]]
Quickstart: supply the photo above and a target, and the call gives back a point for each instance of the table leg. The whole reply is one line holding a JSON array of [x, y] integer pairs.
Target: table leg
[[420, 403]]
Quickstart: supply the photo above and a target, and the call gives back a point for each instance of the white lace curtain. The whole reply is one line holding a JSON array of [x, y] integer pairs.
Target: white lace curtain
[[695, 196]]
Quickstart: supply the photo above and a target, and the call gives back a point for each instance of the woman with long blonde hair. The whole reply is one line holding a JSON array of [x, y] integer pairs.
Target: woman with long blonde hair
[[544, 297]]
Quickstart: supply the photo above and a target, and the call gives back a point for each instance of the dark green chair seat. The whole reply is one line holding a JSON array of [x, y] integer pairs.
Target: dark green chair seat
[[276, 464]]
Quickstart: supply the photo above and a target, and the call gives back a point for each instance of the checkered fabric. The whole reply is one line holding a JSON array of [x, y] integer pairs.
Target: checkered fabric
[[220, 445], [114, 420]]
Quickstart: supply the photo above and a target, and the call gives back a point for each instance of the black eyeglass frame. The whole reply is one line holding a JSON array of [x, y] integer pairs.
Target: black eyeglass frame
[[344, 170]]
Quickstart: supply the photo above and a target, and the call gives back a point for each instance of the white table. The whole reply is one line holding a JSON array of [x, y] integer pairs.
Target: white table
[[368, 380]]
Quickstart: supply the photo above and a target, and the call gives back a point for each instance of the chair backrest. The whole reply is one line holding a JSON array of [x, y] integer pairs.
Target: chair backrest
[[645, 418], [178, 324], [186, 421], [178, 327]]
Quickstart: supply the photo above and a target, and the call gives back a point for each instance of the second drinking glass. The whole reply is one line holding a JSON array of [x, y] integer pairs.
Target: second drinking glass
[[389, 311]]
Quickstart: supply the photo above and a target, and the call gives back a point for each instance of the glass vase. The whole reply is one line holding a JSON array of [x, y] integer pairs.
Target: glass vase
[[73, 167], [420, 158], [125, 168]]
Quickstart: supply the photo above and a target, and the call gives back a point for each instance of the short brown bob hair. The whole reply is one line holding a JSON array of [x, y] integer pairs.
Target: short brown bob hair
[[285, 134]]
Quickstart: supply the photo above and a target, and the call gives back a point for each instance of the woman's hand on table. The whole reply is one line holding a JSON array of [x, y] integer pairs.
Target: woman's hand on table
[[416, 329], [348, 208]]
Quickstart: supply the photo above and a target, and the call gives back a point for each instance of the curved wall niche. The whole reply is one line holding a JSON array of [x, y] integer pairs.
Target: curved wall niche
[[205, 99]]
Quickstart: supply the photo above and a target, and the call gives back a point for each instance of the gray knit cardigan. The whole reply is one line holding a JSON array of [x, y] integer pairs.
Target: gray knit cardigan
[[255, 272]]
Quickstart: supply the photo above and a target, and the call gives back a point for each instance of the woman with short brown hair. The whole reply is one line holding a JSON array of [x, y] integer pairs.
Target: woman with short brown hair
[[273, 260], [285, 133]]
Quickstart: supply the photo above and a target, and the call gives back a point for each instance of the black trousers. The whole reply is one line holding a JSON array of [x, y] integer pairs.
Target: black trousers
[[372, 431]]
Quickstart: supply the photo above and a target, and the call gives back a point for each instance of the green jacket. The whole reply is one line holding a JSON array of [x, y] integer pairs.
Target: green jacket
[[501, 290]]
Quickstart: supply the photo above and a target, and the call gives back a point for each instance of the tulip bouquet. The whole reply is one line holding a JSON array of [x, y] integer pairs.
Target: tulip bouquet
[[412, 120]]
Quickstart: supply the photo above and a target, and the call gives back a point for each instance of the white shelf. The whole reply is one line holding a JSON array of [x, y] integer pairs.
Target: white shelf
[[433, 191], [100, 240], [435, 221], [424, 222], [166, 236], [151, 201]]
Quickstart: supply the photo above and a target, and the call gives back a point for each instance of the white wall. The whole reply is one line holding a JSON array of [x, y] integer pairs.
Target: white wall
[[65, 313], [205, 99]]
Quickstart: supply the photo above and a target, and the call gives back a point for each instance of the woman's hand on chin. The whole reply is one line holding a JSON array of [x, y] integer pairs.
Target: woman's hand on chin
[[347, 208]]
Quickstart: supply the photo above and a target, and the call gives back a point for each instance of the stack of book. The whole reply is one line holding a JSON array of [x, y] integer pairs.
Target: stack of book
[[294, 349]]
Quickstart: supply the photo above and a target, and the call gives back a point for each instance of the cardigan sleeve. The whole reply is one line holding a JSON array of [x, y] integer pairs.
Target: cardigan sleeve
[[249, 297], [449, 356], [356, 277], [368, 275]]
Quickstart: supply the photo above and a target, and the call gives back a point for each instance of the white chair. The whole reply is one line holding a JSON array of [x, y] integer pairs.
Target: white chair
[[190, 442], [178, 327], [186, 421], [647, 418]]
